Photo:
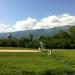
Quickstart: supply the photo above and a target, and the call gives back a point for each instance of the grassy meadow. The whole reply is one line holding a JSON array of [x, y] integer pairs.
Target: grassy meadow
[[61, 62]]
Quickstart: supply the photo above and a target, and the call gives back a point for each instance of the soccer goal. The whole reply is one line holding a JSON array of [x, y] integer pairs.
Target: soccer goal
[[43, 50]]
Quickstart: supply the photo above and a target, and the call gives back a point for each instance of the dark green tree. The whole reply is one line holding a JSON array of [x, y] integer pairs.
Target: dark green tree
[[30, 37]]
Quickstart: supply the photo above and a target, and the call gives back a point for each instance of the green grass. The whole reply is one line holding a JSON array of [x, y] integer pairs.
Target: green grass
[[62, 62]]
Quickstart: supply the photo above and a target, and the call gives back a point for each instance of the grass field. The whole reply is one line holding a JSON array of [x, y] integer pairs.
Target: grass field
[[61, 62]]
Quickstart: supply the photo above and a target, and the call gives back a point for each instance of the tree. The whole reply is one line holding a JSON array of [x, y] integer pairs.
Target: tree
[[30, 37], [72, 32]]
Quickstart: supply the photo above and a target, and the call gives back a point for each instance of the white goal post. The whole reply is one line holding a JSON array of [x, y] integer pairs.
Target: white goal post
[[42, 49]]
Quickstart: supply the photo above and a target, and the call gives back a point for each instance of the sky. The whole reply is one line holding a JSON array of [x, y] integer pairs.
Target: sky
[[18, 15]]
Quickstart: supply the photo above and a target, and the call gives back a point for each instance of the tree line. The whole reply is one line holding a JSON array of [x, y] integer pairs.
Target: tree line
[[61, 40]]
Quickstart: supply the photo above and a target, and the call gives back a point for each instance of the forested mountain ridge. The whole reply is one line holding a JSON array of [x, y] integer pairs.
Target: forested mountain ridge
[[64, 39], [36, 33]]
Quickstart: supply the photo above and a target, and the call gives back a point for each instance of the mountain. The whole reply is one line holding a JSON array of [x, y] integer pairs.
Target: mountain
[[36, 33]]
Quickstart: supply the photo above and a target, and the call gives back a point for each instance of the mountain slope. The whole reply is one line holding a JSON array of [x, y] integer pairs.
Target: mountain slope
[[36, 33]]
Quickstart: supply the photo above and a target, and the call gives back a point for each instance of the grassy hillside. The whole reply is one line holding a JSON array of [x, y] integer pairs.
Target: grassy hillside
[[61, 62]]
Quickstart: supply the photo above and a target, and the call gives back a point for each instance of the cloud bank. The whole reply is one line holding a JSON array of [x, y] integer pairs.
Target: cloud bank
[[45, 23]]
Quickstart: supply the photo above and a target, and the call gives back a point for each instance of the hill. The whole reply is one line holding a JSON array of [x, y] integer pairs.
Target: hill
[[36, 33]]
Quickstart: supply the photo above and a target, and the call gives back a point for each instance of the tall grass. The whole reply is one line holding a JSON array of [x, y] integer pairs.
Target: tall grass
[[60, 63]]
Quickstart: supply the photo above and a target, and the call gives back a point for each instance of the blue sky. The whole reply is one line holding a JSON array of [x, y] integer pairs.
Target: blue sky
[[12, 11]]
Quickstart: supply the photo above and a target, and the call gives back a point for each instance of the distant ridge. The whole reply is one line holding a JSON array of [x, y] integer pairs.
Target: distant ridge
[[36, 33]]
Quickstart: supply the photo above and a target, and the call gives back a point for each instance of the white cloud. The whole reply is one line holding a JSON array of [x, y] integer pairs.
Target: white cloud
[[4, 28], [25, 24], [55, 21], [45, 23], [48, 22]]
